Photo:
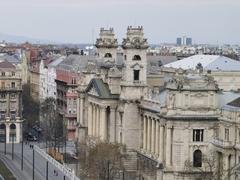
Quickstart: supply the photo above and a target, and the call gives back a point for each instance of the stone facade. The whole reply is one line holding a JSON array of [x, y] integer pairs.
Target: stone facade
[[163, 126], [10, 103]]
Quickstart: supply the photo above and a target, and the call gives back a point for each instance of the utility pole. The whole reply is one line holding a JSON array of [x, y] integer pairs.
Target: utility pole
[[5, 143], [33, 164], [12, 147], [22, 149], [108, 173], [22, 156], [47, 170]]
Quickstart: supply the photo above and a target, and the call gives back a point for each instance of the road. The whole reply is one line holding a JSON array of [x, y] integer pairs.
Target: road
[[27, 173]]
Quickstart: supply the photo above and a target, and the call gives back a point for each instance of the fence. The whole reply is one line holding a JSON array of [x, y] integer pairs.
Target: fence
[[65, 170]]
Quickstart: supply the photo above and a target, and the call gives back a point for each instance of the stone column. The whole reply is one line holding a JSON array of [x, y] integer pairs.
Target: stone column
[[112, 125], [81, 111], [94, 120], [97, 122], [161, 144], [157, 138], [17, 133], [104, 123], [149, 134], [144, 132], [90, 119], [153, 136], [7, 132], [168, 146]]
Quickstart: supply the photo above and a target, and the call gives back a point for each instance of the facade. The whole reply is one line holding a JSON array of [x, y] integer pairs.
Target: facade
[[66, 83], [34, 80], [224, 70], [168, 129], [10, 103]]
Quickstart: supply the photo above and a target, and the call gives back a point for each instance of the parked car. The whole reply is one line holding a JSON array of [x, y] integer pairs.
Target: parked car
[[31, 138]]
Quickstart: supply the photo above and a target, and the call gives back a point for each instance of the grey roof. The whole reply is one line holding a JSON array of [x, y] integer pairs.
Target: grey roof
[[227, 96], [208, 62], [154, 63], [10, 58], [75, 62], [56, 62], [102, 89]]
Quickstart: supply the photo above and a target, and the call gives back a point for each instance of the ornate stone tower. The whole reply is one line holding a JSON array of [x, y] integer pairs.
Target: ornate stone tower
[[107, 45], [135, 60]]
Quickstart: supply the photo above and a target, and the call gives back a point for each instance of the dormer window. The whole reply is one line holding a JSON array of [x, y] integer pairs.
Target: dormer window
[[136, 75], [136, 58]]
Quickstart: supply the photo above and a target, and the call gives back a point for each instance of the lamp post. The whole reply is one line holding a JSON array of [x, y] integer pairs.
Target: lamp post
[[12, 137], [47, 170], [33, 164], [5, 142], [22, 148]]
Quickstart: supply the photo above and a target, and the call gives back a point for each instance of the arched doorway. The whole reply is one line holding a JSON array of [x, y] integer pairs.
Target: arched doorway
[[12, 134], [2, 133], [197, 158]]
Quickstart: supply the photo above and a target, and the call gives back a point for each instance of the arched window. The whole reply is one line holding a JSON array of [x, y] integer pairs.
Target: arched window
[[12, 136], [197, 158], [108, 55], [136, 58], [2, 133]]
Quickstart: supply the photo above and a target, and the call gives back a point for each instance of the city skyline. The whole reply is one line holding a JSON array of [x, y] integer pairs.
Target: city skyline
[[78, 21]]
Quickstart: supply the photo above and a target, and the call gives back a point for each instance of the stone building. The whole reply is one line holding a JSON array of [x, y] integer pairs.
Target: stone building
[[10, 103], [168, 122]]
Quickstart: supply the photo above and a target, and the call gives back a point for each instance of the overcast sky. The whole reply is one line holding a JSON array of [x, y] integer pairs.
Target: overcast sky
[[78, 21]]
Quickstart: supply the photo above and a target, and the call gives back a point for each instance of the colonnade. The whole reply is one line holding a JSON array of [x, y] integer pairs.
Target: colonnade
[[157, 139], [97, 121]]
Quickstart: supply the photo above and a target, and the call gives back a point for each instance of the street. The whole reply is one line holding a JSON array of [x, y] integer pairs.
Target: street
[[27, 173]]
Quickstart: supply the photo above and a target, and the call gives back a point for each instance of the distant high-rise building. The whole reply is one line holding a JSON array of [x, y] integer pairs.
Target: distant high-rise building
[[188, 41], [179, 41], [184, 41]]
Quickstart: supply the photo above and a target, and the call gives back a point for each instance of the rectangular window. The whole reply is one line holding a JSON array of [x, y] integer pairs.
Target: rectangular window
[[13, 85], [198, 135], [2, 117], [3, 85], [226, 134], [3, 73], [13, 73], [136, 75], [13, 95], [13, 115], [3, 96]]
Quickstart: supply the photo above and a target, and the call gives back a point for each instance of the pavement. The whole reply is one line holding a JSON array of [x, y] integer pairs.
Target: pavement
[[27, 173]]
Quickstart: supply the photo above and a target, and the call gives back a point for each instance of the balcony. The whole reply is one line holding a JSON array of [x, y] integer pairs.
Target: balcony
[[71, 127], [70, 115], [222, 143]]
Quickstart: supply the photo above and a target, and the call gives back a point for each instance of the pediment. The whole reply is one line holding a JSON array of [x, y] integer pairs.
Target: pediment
[[93, 91], [136, 66]]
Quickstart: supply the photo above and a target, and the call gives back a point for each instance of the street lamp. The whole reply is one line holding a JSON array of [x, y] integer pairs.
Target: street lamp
[[33, 163]]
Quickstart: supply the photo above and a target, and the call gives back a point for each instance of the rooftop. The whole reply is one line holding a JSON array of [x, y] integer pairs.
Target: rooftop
[[208, 62]]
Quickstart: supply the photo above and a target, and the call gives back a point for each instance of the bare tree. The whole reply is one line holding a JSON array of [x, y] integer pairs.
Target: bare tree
[[52, 123], [101, 160], [30, 107], [211, 169]]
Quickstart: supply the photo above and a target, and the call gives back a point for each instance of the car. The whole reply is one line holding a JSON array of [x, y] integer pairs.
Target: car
[[37, 128], [31, 138]]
